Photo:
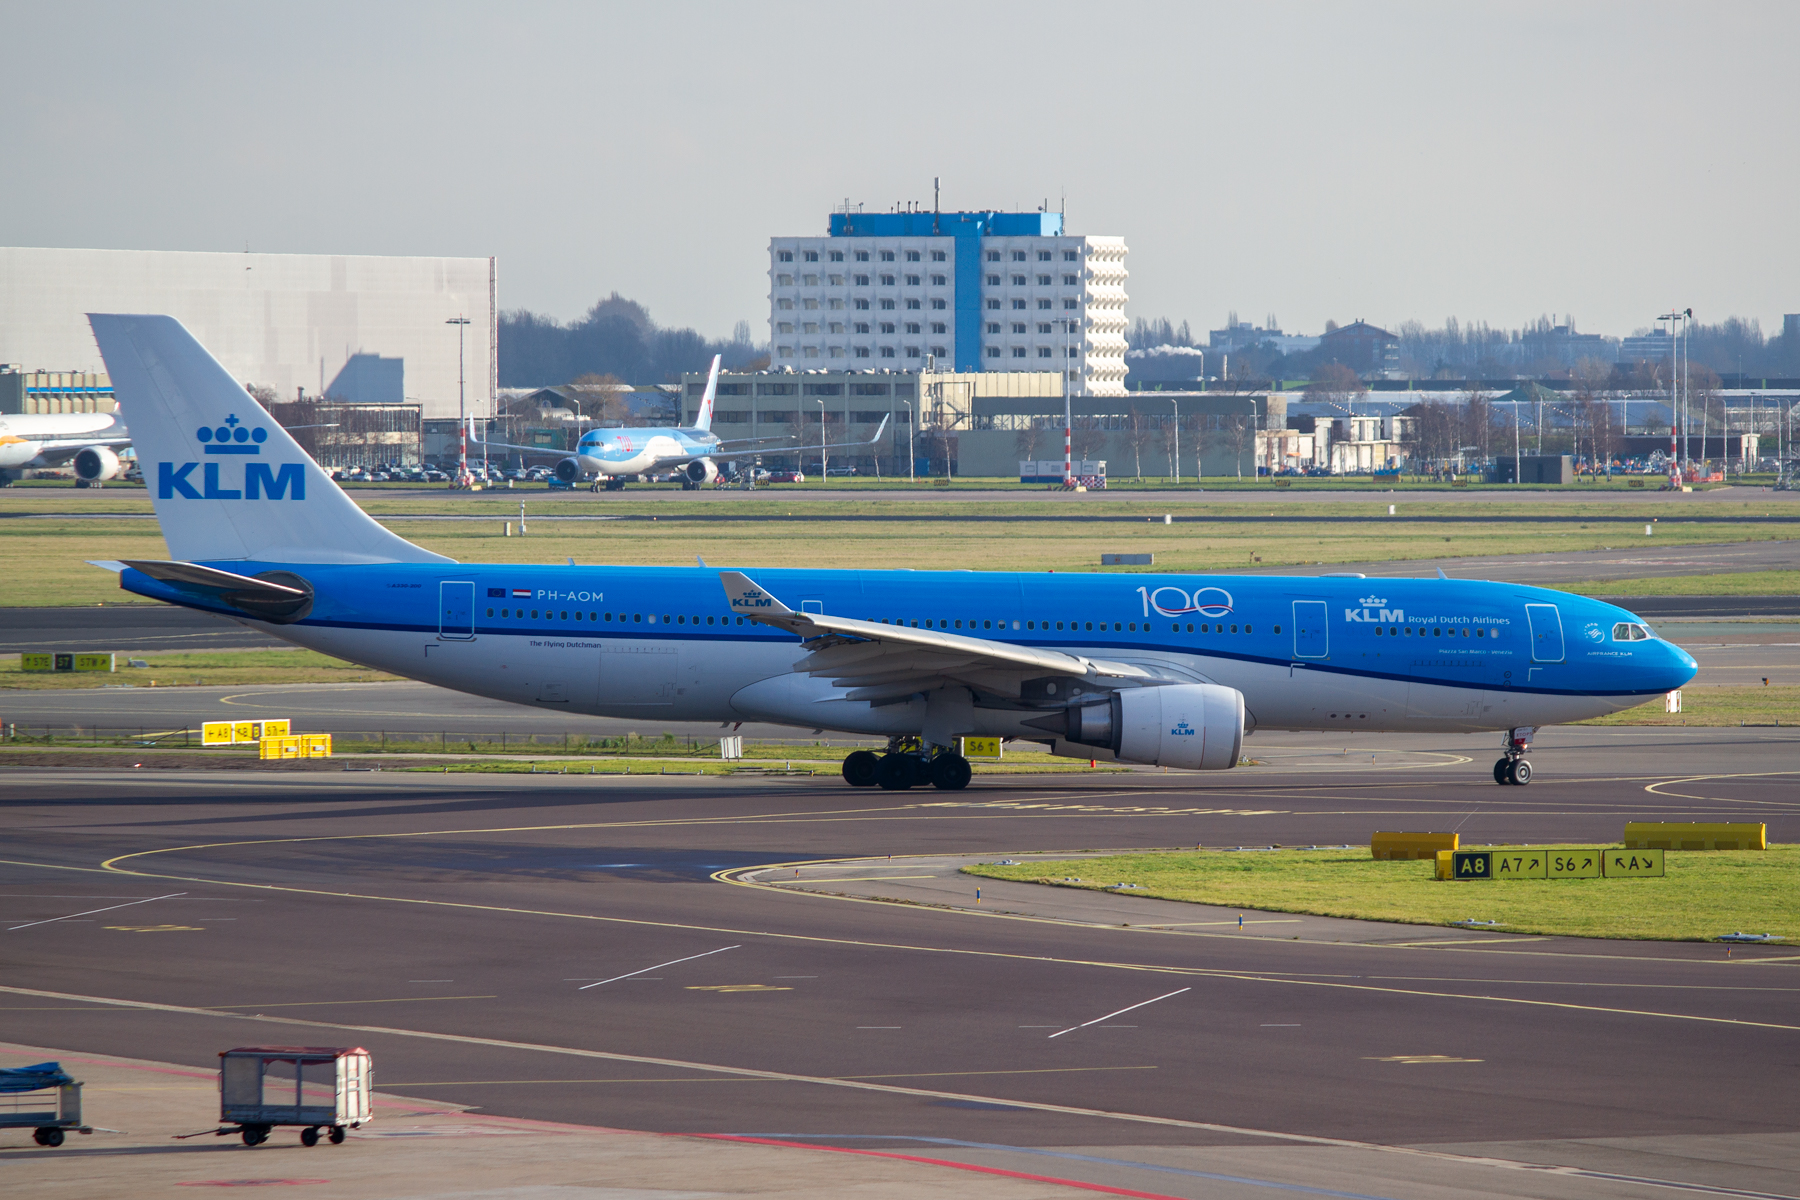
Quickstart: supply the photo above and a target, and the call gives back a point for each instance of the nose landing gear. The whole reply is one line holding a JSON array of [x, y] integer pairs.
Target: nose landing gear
[[1512, 768]]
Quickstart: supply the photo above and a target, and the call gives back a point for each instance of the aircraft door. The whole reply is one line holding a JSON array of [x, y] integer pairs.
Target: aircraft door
[[1546, 632], [456, 611], [1311, 640]]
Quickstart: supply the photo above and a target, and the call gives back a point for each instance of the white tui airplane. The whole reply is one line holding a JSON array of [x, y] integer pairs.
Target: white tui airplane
[[87, 441], [1170, 670], [609, 457]]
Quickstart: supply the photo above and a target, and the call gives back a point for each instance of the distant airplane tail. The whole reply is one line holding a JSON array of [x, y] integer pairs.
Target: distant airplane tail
[[703, 418], [228, 482]]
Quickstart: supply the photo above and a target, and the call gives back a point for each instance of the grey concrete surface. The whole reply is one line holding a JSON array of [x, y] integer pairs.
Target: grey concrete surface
[[453, 925]]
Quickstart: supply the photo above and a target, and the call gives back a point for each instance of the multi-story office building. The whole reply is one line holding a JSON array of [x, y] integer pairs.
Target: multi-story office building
[[970, 291]]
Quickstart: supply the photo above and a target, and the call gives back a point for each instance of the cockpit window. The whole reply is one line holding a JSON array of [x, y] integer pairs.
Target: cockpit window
[[1626, 631]]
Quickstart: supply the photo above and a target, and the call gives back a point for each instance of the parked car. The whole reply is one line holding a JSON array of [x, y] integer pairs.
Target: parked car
[[831, 472], [784, 477]]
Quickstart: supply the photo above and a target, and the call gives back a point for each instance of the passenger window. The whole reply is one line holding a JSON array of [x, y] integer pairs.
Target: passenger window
[[1278, 629], [1246, 629]]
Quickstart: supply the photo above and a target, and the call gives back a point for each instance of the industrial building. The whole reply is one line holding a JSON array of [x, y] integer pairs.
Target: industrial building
[[967, 291], [354, 328]]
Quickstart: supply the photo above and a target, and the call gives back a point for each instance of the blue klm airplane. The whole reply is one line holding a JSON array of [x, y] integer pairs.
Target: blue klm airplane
[[611, 456], [1171, 670]]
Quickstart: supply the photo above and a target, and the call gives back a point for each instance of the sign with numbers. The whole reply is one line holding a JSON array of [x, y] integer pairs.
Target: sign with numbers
[[1521, 864], [1575, 864], [1471, 864]]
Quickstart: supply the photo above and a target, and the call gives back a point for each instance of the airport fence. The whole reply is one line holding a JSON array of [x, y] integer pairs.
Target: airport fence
[[503, 742]]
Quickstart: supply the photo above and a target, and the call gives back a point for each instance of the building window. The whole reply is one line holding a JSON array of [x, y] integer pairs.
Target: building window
[[993, 281], [1043, 256], [993, 327], [810, 352], [1043, 281], [837, 256], [862, 327], [913, 352], [1018, 327], [838, 352], [862, 256], [912, 256], [993, 304], [887, 281], [912, 281], [862, 351], [992, 351], [993, 256], [887, 256], [887, 304], [940, 352], [784, 304], [785, 351], [887, 327], [887, 352], [1071, 256], [912, 304], [836, 280], [912, 327], [784, 256], [862, 281], [1018, 352], [1074, 351], [940, 304], [812, 256], [1043, 304], [810, 280], [1015, 304], [937, 256], [1043, 352], [810, 303], [1071, 304], [862, 304], [1071, 281], [784, 327], [1018, 256], [810, 327], [1046, 327], [835, 303], [837, 327], [939, 280], [1018, 281], [939, 327], [786, 281]]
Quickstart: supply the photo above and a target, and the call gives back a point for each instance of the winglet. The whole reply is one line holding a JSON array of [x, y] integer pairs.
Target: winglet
[[699, 560], [749, 599], [1441, 574], [880, 429], [703, 418]]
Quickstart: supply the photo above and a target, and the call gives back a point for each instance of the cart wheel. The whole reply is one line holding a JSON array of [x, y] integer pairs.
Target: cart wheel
[[336, 1134], [309, 1136], [50, 1136], [255, 1135]]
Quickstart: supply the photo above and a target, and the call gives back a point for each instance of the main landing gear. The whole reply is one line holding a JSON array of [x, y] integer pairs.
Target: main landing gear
[[908, 763], [1513, 768]]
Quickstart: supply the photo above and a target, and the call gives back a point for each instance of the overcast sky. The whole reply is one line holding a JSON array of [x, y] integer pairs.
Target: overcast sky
[[1378, 160]]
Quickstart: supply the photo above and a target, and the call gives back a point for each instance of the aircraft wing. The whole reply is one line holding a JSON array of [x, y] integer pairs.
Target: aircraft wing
[[675, 460], [880, 663]]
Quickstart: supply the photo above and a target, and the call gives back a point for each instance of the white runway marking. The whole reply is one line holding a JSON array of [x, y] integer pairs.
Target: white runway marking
[[91, 911], [1109, 1016], [659, 966]]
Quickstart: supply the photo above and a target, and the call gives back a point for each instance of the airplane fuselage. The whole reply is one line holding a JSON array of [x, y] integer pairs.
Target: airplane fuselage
[[609, 452]]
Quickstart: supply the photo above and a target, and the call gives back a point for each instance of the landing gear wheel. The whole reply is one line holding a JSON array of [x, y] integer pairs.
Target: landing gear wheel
[[862, 768], [309, 1136], [895, 772], [1500, 769], [950, 772], [255, 1135], [336, 1134], [1519, 772], [49, 1136]]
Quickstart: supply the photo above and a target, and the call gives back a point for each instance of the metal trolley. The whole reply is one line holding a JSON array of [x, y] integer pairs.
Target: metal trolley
[[26, 1103], [314, 1087]]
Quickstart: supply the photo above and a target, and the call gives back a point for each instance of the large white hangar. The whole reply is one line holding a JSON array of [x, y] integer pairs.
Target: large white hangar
[[359, 327]]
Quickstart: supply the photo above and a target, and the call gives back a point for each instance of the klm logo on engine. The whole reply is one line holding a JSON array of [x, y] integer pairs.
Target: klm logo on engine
[[1183, 730], [1373, 613], [259, 481]]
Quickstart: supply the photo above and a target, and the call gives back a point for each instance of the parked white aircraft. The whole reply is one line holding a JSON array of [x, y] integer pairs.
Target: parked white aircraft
[[37, 441]]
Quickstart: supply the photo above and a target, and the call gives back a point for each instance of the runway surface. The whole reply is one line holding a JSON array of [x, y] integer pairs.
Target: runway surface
[[638, 954]]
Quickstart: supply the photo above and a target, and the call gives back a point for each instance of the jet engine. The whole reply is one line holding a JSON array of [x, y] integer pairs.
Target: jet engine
[[569, 470], [701, 471], [95, 463], [1194, 726]]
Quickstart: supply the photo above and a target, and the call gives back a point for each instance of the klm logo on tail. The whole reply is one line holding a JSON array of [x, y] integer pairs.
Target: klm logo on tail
[[285, 481]]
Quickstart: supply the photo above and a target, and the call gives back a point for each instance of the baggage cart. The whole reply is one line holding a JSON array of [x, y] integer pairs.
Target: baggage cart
[[42, 1098], [315, 1087]]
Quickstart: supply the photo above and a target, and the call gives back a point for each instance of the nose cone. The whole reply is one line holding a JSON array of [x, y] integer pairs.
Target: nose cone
[[1678, 666]]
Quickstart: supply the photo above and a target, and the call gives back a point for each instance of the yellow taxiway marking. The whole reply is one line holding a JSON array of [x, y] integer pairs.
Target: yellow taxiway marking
[[1472, 941], [1421, 1059], [1655, 789], [737, 987], [1234, 924]]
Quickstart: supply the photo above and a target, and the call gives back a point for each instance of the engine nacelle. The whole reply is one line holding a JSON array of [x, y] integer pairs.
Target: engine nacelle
[[701, 471], [1193, 726], [569, 470], [95, 463]]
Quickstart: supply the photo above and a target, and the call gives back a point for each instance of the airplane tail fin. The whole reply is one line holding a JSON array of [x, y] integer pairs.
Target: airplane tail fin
[[703, 418], [228, 483]]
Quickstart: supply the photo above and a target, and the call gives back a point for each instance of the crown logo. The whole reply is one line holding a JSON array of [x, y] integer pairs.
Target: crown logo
[[232, 437], [1372, 601]]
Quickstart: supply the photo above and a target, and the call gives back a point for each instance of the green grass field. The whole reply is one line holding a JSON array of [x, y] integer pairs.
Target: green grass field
[[1704, 895], [42, 557], [216, 667]]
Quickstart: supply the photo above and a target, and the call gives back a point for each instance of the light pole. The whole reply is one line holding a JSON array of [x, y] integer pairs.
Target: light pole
[[822, 471], [1674, 394], [1177, 405], [462, 419], [911, 457]]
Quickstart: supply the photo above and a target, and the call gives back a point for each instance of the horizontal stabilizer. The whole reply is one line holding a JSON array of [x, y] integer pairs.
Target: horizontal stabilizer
[[194, 573]]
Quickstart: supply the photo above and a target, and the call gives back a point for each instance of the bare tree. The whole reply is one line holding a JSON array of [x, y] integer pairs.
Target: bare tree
[[1334, 383], [1137, 436], [1240, 434], [1027, 439]]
